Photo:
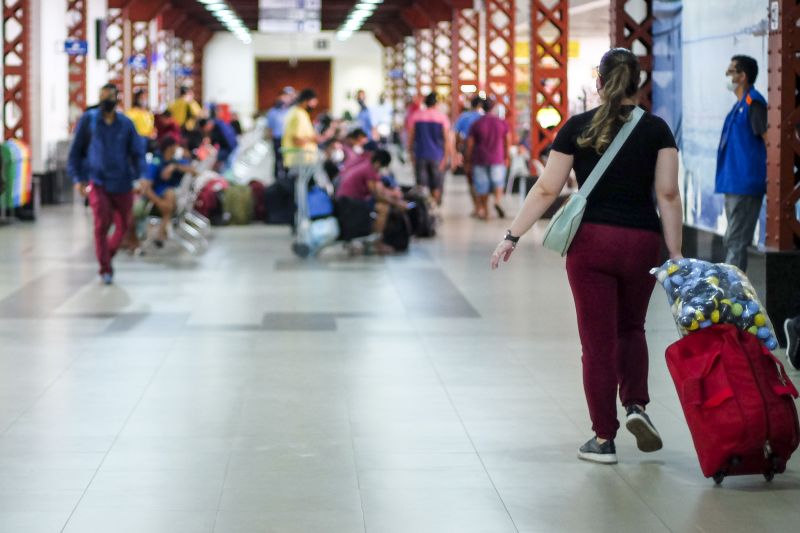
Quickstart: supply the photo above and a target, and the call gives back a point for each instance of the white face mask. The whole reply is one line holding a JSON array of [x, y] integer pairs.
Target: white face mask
[[337, 156], [731, 85], [358, 149], [179, 153]]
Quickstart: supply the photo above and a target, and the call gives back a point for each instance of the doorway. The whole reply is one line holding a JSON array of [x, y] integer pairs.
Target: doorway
[[275, 75]]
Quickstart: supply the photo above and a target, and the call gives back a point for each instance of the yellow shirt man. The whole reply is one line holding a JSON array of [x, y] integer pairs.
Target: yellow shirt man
[[298, 124], [185, 112], [143, 120]]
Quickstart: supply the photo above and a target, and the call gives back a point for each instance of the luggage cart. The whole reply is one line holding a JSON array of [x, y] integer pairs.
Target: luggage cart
[[311, 236]]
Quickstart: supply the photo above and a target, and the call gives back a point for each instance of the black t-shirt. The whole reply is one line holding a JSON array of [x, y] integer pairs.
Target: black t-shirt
[[624, 195]]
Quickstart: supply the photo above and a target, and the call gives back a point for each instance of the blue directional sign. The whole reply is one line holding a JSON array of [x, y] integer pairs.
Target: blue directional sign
[[138, 62], [76, 47]]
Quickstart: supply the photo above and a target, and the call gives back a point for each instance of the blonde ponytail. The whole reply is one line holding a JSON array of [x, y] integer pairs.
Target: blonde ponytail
[[619, 71]]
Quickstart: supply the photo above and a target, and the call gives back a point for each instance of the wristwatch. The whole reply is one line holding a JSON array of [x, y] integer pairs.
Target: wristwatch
[[514, 240]]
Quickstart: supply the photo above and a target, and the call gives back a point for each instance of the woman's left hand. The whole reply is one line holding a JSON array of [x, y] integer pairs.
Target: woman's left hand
[[503, 251]]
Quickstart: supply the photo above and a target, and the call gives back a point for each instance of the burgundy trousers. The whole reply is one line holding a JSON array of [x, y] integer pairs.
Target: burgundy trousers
[[608, 269], [109, 208]]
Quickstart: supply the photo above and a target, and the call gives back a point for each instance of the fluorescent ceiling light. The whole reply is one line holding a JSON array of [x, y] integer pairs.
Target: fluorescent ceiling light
[[216, 7]]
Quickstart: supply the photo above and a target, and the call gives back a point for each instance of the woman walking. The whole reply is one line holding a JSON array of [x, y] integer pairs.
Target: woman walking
[[618, 241]]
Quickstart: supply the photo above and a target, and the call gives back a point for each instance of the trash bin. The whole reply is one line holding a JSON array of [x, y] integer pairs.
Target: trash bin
[[16, 176]]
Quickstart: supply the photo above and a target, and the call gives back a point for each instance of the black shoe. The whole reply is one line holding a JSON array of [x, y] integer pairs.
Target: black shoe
[[595, 452], [638, 423], [500, 212], [792, 329]]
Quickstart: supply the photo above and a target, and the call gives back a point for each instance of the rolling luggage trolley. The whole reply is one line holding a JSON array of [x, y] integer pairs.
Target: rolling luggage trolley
[[311, 236]]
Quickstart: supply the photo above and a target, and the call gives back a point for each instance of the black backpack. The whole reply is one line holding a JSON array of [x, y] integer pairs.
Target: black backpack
[[397, 232], [423, 222]]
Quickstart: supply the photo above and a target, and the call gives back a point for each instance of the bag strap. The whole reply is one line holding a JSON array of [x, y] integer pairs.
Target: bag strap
[[611, 152]]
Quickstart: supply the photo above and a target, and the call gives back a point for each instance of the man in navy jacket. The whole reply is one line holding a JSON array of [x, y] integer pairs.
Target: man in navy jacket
[[105, 159]]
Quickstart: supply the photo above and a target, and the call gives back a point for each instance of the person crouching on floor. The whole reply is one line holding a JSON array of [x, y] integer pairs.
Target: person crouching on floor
[[362, 182], [164, 175]]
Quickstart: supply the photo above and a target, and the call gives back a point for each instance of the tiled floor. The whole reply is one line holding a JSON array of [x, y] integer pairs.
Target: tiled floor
[[247, 391]]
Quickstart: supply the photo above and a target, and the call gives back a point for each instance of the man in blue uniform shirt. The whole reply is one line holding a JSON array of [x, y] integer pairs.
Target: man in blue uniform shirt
[[105, 158], [742, 159], [276, 118]]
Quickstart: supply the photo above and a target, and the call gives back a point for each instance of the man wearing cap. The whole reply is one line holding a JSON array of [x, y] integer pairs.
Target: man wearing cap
[[276, 118]]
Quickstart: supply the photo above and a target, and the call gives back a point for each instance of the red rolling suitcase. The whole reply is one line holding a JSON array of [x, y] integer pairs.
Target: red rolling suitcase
[[738, 402]]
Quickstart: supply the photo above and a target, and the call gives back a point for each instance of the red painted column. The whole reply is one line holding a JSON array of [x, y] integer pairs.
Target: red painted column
[[141, 54], [442, 57], [465, 60], [783, 136], [16, 70], [500, 20], [636, 34], [549, 54], [76, 74], [424, 58], [115, 47]]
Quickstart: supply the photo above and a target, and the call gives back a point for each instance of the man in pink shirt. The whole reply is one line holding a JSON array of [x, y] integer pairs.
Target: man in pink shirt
[[487, 157], [362, 182]]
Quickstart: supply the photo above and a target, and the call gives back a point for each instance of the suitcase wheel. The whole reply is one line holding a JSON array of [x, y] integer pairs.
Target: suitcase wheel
[[719, 477], [769, 475], [301, 250]]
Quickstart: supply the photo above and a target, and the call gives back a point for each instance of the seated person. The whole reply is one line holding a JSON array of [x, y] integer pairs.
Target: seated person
[[333, 158], [165, 173], [222, 136], [362, 182], [353, 146], [167, 127]]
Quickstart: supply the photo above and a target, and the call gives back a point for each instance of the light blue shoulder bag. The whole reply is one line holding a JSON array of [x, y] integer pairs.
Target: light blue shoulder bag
[[565, 223]]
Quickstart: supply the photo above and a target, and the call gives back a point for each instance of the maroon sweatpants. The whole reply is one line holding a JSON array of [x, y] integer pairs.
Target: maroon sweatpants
[[608, 273], [109, 208]]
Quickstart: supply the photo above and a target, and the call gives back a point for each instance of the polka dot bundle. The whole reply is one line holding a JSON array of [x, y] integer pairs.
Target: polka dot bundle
[[703, 294]]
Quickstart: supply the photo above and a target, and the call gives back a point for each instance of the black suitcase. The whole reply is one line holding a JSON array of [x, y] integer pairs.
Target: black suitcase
[[355, 218], [279, 202]]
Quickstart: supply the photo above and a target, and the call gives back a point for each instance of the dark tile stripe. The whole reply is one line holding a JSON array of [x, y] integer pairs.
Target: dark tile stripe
[[150, 323], [428, 292]]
